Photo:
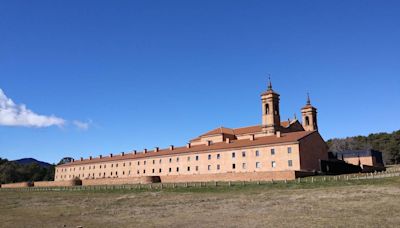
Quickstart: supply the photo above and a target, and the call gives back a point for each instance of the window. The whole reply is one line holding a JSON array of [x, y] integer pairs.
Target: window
[[244, 166], [129, 173], [188, 158], [289, 150], [144, 171], [188, 168], [209, 167], [233, 166], [116, 173], [218, 167], [266, 109], [177, 169], [144, 163], [116, 165], [160, 161], [160, 170], [130, 163], [307, 121], [154, 162], [209, 157], [100, 167], [243, 153], [272, 151], [258, 165], [290, 163], [170, 160], [233, 155], [218, 156], [197, 168], [138, 163], [177, 159], [153, 171], [273, 164], [123, 164], [197, 158], [112, 165], [257, 153], [170, 170], [138, 172], [123, 172], [111, 173]]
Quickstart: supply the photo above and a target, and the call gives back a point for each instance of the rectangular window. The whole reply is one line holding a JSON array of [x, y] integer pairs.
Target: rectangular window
[[153, 171], [233, 166], [160, 170], [170, 160], [144, 163], [258, 165], [197, 168], [123, 165], [170, 170], [160, 161], [144, 171], [209, 157], [233, 155], [209, 167], [177, 169], [272, 151], [218, 167], [257, 153], [243, 153], [188, 169], [188, 159], [273, 164], [289, 150], [244, 166], [177, 159], [138, 163], [197, 158], [290, 163], [218, 156], [154, 162]]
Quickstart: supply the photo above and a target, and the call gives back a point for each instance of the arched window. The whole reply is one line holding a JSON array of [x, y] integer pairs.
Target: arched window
[[307, 121], [266, 109]]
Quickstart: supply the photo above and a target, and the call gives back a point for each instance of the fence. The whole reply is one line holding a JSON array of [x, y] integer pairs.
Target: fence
[[393, 172]]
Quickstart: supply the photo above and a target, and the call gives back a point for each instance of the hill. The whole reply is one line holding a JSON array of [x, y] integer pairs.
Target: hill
[[28, 161], [387, 143]]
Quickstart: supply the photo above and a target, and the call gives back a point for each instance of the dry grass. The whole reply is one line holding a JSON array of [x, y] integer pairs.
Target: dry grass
[[359, 205]]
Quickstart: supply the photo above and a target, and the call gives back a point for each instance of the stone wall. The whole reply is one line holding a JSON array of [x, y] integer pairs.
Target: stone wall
[[17, 185], [117, 181], [255, 176], [57, 183]]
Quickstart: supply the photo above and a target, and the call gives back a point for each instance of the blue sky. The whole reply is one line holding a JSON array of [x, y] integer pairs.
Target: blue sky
[[101, 77]]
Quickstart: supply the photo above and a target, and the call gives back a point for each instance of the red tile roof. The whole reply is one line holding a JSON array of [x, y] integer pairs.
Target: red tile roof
[[285, 138]]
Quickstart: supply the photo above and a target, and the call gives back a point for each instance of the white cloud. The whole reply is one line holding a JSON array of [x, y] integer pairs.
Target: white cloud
[[82, 125], [12, 114]]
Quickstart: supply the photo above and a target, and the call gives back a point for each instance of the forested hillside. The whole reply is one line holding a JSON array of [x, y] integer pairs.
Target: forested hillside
[[387, 143], [11, 172]]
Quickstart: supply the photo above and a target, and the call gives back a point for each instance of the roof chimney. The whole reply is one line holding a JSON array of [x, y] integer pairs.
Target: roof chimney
[[81, 158], [90, 158], [134, 152], [101, 156], [73, 160], [145, 151], [208, 142], [156, 149], [278, 134], [171, 147], [123, 153], [188, 145], [228, 140], [111, 155]]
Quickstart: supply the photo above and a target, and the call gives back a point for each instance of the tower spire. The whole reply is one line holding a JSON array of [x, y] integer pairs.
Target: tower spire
[[308, 99], [269, 82]]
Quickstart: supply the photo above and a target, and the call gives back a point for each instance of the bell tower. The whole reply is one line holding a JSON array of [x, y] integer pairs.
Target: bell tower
[[271, 119], [309, 116]]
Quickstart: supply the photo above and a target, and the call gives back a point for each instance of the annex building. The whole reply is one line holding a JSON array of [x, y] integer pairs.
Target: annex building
[[273, 150]]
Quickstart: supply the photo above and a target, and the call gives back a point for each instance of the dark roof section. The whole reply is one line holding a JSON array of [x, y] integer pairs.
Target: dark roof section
[[285, 138]]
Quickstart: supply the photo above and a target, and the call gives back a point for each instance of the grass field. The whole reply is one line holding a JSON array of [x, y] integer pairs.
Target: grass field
[[358, 203]]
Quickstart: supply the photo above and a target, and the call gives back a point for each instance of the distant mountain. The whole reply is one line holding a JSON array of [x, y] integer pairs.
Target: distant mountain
[[28, 161]]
